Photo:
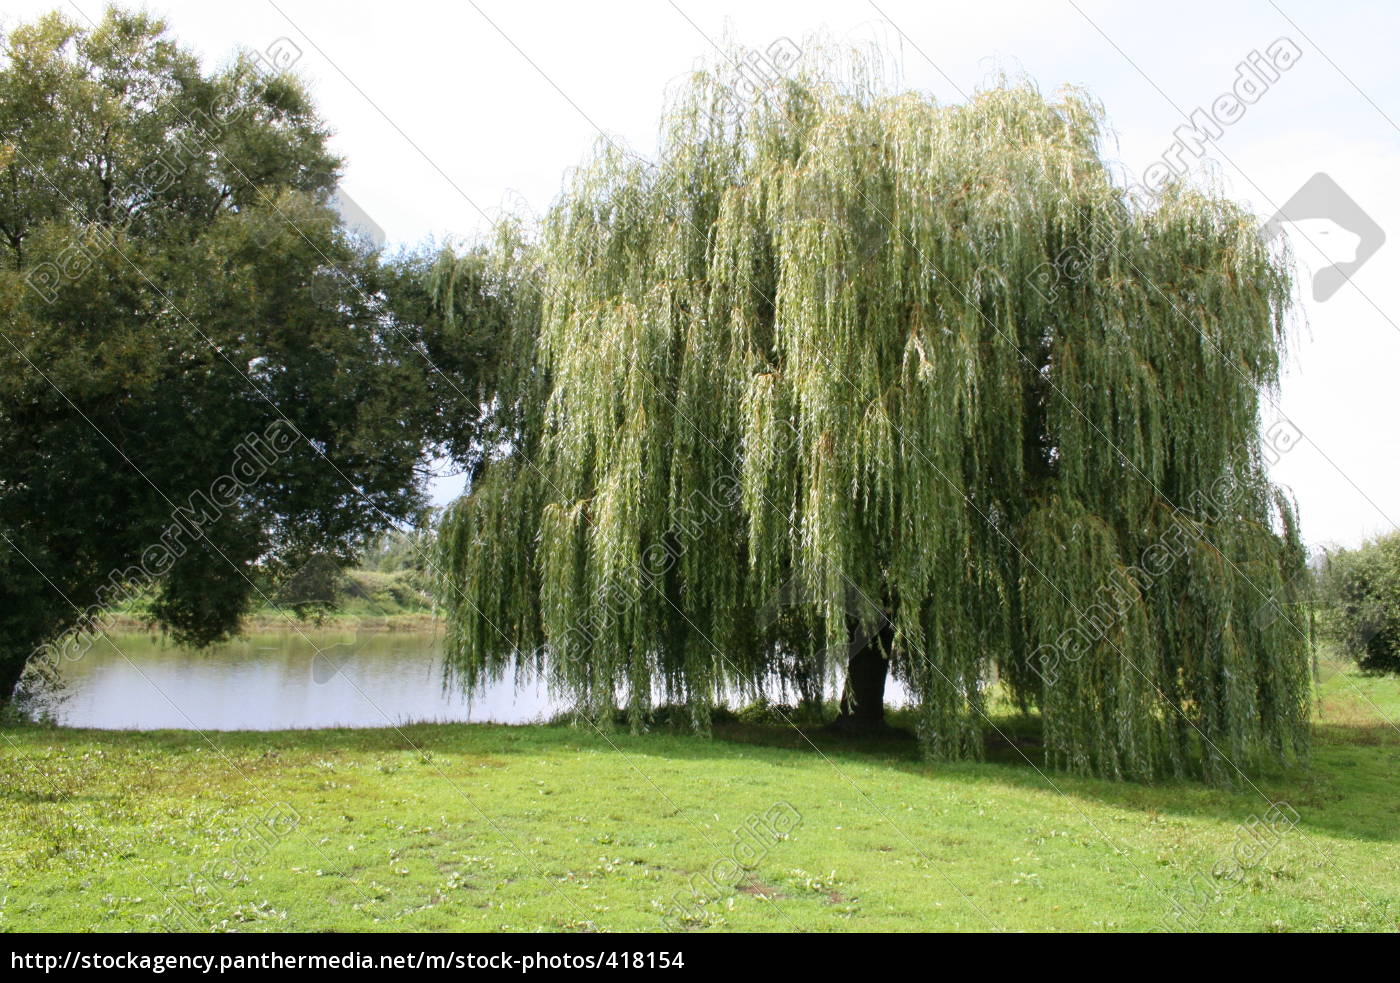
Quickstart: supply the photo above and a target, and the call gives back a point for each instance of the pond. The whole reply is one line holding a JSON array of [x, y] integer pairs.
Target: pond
[[278, 681]]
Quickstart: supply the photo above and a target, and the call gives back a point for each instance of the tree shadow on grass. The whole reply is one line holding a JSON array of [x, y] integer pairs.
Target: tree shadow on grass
[[1346, 789]]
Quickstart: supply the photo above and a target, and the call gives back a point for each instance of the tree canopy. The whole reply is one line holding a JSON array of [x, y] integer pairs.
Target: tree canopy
[[201, 373], [853, 358]]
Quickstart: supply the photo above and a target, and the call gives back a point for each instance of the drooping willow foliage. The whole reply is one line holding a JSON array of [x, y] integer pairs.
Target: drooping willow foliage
[[854, 351]]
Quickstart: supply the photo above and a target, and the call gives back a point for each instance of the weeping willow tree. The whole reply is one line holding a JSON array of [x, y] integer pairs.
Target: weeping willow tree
[[903, 371]]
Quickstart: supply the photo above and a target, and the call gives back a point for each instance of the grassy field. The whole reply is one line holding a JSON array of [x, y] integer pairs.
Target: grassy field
[[443, 827]]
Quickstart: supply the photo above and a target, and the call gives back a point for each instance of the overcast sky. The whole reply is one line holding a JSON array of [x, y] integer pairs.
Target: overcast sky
[[447, 111]]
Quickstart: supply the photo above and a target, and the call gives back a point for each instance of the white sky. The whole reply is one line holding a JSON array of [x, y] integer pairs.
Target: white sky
[[445, 113]]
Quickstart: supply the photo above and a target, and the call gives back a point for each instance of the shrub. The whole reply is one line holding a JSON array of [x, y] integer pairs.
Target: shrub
[[1361, 594]]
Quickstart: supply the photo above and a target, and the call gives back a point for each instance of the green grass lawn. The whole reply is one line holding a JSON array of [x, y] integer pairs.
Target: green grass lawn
[[445, 827]]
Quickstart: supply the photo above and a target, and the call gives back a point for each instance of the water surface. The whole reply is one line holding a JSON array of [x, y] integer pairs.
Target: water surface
[[278, 681], [290, 680]]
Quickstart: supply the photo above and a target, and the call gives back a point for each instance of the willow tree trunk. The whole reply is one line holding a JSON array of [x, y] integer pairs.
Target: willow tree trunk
[[863, 697]]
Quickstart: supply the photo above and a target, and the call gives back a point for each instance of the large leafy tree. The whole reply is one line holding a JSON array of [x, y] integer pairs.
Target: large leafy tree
[[174, 282], [857, 365]]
